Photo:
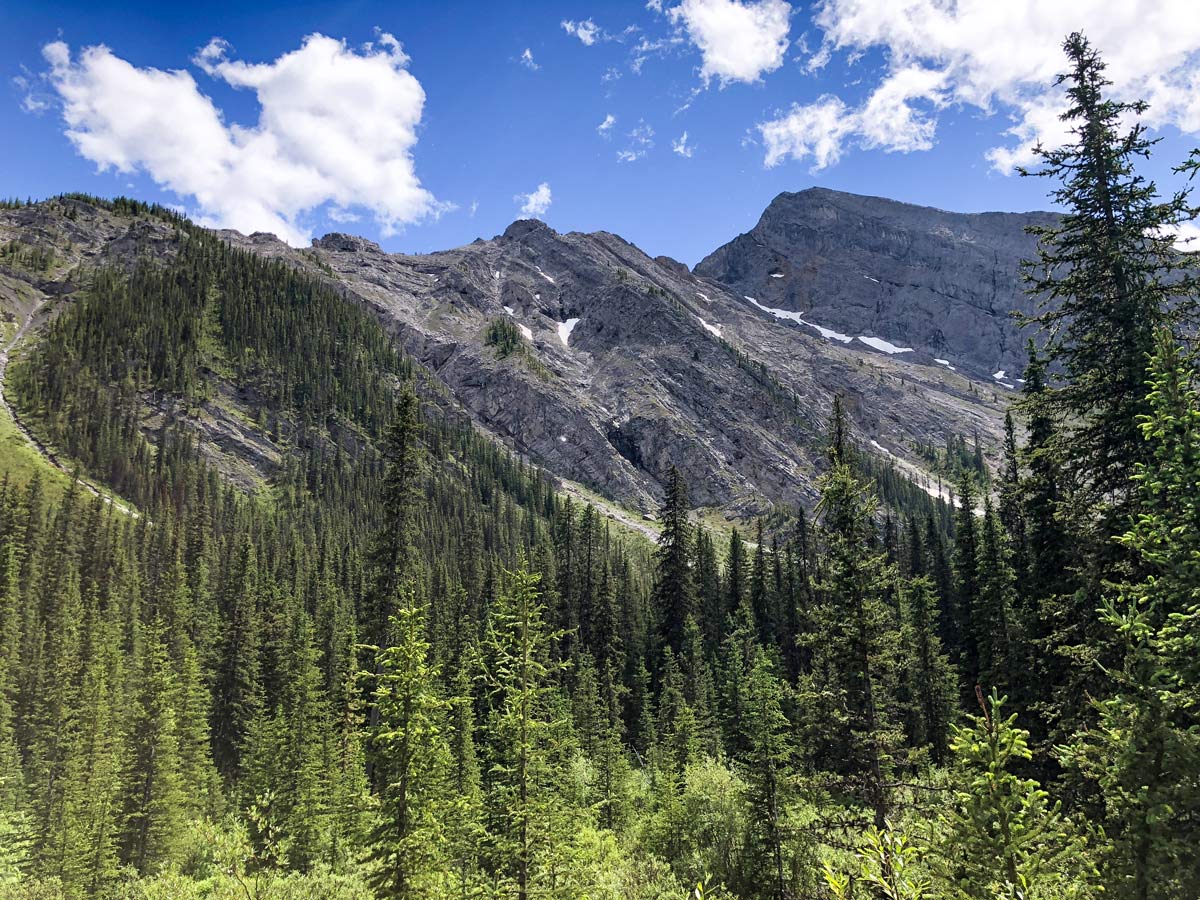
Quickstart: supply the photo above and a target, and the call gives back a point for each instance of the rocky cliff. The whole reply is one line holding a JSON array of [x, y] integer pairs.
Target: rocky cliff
[[941, 282], [590, 357]]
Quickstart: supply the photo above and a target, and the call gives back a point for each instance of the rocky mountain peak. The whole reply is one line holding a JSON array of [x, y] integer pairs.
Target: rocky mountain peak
[[339, 242], [940, 282]]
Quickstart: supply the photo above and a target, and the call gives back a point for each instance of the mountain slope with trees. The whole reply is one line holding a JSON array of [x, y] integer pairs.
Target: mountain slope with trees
[[395, 662]]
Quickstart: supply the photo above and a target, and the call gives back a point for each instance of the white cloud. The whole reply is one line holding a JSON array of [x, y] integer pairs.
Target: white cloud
[[527, 60], [887, 120], [738, 41], [815, 130], [536, 202], [682, 147], [993, 57], [336, 126], [587, 31], [604, 129], [641, 142]]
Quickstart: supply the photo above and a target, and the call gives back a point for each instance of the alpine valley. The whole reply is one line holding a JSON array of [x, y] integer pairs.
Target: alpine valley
[[859, 562]]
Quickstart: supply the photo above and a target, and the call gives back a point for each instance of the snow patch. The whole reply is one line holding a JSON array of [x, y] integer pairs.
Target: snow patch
[[510, 311], [565, 329], [714, 329], [496, 275], [884, 346], [704, 297], [776, 274], [790, 316], [562, 438], [869, 278], [999, 376], [830, 333], [525, 331], [946, 363], [543, 274]]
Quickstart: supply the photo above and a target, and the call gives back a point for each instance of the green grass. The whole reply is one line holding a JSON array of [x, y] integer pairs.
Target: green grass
[[20, 461]]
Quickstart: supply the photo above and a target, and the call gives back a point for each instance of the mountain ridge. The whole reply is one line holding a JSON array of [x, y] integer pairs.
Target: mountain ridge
[[621, 365]]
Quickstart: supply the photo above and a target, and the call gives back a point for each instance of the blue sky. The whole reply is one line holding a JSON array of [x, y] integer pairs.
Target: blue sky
[[441, 140]]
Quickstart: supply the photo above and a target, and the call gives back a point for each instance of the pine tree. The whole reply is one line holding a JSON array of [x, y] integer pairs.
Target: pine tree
[[523, 811], [1003, 837], [1144, 752], [857, 628], [154, 806], [1107, 274], [674, 590], [768, 763], [412, 760]]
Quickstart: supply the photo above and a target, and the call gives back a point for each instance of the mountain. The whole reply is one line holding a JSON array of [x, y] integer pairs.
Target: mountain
[[629, 364], [941, 282], [579, 352]]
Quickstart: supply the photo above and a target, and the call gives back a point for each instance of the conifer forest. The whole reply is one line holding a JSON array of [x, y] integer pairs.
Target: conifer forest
[[410, 667]]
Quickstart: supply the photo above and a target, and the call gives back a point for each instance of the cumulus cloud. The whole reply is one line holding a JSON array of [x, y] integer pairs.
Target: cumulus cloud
[[527, 60], [336, 127], [997, 58], [640, 142], [536, 202], [587, 31], [738, 41], [682, 147], [604, 129]]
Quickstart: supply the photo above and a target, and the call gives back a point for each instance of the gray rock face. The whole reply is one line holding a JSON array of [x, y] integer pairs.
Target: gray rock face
[[633, 364], [936, 281], [626, 366]]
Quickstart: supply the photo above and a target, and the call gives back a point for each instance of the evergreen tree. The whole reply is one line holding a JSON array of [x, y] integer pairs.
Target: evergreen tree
[[1003, 837], [1107, 274], [154, 802], [857, 629], [991, 614], [674, 589], [238, 694], [931, 678], [966, 581], [1144, 752], [522, 809], [391, 547], [412, 760], [768, 762]]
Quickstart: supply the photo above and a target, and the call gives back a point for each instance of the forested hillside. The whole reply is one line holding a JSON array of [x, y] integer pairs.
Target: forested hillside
[[404, 666]]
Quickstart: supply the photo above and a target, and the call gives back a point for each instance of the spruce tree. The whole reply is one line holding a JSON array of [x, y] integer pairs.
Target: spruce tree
[[1144, 752], [524, 815], [1003, 837], [858, 637], [412, 760], [1106, 275], [768, 765], [674, 590], [931, 677]]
